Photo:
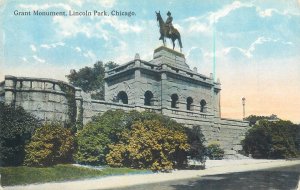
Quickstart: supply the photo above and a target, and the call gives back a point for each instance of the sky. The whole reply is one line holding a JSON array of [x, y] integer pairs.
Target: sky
[[257, 44]]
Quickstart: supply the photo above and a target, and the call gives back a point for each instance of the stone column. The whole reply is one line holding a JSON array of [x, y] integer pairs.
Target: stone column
[[10, 90], [79, 103], [163, 90]]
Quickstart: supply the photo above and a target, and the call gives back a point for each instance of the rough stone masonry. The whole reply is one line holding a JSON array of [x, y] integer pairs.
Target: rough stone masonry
[[164, 85]]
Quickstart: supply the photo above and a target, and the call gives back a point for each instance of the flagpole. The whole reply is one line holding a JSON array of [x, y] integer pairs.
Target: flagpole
[[214, 72], [214, 51]]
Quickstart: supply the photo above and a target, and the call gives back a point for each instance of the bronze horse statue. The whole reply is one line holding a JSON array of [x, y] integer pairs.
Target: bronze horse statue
[[165, 33]]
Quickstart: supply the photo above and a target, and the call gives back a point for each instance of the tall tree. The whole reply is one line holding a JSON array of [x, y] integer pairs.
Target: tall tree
[[272, 139], [91, 79]]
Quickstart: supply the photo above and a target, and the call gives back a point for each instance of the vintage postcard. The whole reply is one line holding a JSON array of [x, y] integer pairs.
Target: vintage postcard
[[93, 67]]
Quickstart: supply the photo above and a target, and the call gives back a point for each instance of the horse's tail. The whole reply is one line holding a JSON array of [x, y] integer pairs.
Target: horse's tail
[[179, 40]]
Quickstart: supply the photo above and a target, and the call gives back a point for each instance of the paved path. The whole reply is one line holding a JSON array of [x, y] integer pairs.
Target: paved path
[[213, 168], [283, 178]]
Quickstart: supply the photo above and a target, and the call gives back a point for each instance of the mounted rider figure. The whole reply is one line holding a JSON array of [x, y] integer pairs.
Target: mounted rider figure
[[167, 30], [169, 24]]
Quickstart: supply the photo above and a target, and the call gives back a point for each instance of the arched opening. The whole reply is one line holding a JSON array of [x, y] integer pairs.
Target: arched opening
[[189, 102], [174, 102], [148, 101], [202, 105], [122, 97]]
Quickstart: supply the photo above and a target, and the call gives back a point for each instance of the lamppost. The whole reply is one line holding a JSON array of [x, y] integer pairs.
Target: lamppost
[[243, 102]]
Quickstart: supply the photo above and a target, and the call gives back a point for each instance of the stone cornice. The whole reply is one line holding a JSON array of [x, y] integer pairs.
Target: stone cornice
[[10, 77]]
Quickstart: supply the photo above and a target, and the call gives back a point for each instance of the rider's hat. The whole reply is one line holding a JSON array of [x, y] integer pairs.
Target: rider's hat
[[168, 13]]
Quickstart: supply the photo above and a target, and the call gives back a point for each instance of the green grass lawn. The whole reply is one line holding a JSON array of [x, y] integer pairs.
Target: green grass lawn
[[28, 175]]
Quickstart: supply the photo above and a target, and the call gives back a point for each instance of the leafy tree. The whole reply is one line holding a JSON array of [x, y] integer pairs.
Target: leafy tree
[[16, 128], [51, 144], [214, 151], [91, 79], [111, 65], [271, 140], [149, 145]]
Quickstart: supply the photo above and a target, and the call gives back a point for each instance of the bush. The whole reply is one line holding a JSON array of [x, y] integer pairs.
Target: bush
[[105, 129], [16, 126], [196, 141], [51, 144], [94, 138], [271, 140], [214, 151], [148, 145]]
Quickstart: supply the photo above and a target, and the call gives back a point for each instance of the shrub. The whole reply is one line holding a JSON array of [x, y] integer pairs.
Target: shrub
[[214, 151], [94, 138], [196, 141], [148, 145], [105, 129], [51, 144], [16, 126], [271, 140]]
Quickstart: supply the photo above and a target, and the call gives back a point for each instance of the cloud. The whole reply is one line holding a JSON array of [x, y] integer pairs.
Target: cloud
[[68, 27], [215, 16], [107, 3], [190, 50], [270, 11], [199, 27], [266, 12], [122, 26], [39, 70], [76, 2], [244, 52], [259, 41], [204, 23], [89, 54], [40, 60], [24, 59], [33, 48], [78, 49], [53, 45], [45, 6]]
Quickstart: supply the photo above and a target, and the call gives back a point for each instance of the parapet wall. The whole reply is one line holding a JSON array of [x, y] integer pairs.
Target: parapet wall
[[227, 132], [230, 133], [48, 99]]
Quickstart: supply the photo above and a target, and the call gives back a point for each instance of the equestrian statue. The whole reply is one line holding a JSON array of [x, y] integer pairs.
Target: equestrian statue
[[167, 30]]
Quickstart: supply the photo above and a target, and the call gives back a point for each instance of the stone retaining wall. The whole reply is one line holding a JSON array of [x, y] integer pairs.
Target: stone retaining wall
[[44, 98]]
